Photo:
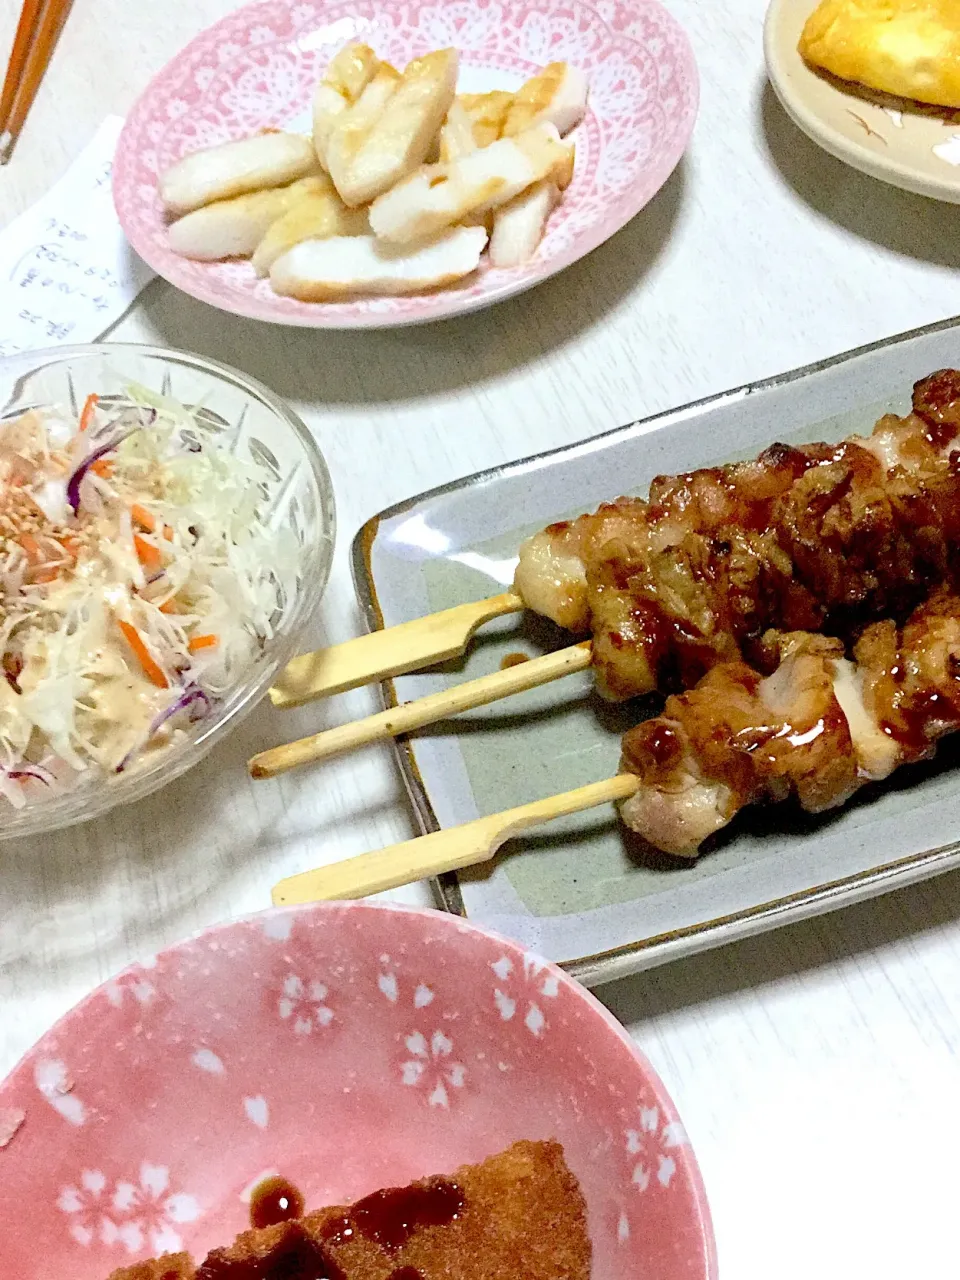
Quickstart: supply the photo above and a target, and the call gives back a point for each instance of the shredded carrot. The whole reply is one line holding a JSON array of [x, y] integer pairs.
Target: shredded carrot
[[103, 467], [32, 547], [168, 606], [148, 555], [89, 406], [71, 545], [147, 521], [143, 517], [48, 575], [152, 671], [202, 642]]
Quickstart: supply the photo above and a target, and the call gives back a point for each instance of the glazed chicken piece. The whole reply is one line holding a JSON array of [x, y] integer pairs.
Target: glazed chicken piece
[[818, 728], [816, 537]]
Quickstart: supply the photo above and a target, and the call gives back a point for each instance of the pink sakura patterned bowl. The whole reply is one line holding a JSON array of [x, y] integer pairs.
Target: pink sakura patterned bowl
[[258, 68], [347, 1046]]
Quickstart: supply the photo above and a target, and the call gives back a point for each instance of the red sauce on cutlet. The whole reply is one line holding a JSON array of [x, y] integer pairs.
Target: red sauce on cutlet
[[389, 1218], [274, 1200]]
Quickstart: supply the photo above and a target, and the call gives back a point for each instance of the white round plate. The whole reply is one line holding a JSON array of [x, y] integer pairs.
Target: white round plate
[[258, 68], [908, 145]]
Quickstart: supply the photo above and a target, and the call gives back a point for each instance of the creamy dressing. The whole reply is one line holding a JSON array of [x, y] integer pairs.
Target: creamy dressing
[[137, 583]]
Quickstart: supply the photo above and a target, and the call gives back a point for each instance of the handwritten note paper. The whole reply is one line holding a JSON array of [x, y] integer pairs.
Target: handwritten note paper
[[66, 270]]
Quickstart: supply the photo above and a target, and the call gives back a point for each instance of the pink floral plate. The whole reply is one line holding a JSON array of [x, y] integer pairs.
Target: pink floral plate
[[258, 68], [346, 1046]]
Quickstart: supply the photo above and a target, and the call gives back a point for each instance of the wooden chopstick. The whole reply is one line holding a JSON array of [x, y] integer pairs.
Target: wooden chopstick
[[422, 711], [36, 37], [22, 43], [391, 652], [441, 851]]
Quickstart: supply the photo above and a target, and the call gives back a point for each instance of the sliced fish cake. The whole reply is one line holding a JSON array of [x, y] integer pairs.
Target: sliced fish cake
[[439, 196], [314, 215], [347, 76], [353, 126], [343, 267], [233, 228], [488, 113], [518, 226], [400, 137], [235, 168], [558, 96]]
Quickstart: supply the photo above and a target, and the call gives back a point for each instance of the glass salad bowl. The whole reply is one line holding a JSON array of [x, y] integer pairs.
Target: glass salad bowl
[[208, 416]]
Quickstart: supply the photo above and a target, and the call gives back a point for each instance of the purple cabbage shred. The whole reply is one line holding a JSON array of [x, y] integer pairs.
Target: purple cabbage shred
[[190, 696], [35, 771], [73, 484]]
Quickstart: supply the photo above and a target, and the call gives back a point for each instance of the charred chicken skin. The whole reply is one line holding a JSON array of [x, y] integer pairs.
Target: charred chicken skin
[[818, 727], [816, 538]]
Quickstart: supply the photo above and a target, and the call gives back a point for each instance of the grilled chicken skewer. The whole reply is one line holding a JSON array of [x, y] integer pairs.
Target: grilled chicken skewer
[[818, 537], [818, 728]]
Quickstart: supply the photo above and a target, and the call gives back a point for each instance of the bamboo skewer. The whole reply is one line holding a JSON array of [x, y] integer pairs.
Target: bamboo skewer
[[391, 652], [441, 851], [422, 711]]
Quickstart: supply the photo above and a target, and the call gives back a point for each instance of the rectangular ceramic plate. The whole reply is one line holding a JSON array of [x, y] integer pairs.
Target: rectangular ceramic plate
[[577, 891]]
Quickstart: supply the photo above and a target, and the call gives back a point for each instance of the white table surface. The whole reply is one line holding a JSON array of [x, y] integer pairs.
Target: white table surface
[[816, 1067]]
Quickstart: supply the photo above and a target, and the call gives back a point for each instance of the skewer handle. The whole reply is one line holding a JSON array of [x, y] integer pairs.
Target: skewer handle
[[391, 652], [413, 715], [442, 851]]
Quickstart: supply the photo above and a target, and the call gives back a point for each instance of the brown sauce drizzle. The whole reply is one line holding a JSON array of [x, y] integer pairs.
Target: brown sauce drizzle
[[936, 400], [512, 660], [914, 728], [274, 1200], [387, 1218], [390, 1217]]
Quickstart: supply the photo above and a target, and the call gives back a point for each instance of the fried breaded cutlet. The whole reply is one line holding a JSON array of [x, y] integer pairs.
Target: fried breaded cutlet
[[519, 1215]]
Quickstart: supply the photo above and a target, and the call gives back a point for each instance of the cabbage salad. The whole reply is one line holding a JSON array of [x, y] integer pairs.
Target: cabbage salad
[[140, 577]]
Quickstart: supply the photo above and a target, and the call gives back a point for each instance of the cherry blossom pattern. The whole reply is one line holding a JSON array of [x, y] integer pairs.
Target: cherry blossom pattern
[[527, 991], [135, 984], [649, 1146], [303, 1004], [432, 1067], [428, 1062], [389, 985], [135, 1215], [55, 1083]]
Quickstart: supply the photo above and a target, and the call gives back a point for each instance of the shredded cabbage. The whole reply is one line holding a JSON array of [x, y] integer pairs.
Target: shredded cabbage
[[123, 620]]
